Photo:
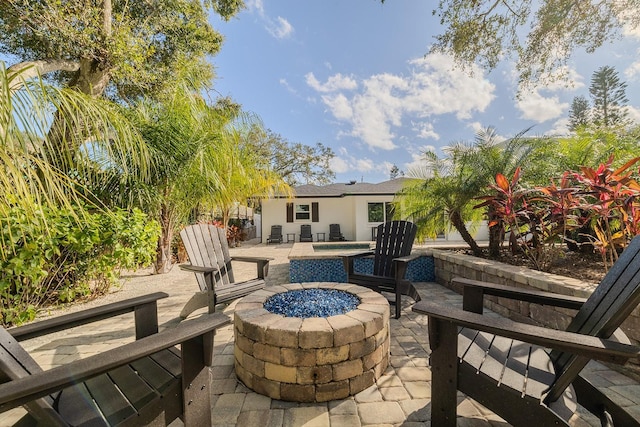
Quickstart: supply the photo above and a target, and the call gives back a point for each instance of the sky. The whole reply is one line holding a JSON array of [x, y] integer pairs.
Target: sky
[[356, 76]]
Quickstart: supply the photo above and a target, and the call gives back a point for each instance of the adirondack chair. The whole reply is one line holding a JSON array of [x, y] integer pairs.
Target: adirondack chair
[[276, 234], [391, 256], [208, 252], [305, 233], [334, 233], [147, 381], [504, 364]]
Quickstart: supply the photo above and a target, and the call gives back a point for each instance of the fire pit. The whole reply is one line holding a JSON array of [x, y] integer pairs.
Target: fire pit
[[311, 342]]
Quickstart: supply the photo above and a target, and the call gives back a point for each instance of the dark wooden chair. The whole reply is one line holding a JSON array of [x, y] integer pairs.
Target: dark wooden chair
[[335, 235], [305, 233], [208, 252], [276, 234], [505, 365], [145, 382], [391, 256]]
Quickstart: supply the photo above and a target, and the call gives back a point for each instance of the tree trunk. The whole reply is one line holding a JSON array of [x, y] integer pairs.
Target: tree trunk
[[91, 79], [496, 235], [458, 223], [164, 256]]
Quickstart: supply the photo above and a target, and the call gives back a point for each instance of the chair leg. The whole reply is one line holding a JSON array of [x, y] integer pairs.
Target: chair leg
[[444, 372], [196, 380], [398, 302]]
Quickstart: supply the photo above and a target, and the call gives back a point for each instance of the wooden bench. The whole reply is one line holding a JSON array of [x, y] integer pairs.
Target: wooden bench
[[145, 382]]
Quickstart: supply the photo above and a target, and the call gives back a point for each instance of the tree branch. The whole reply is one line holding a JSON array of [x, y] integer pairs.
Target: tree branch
[[32, 69]]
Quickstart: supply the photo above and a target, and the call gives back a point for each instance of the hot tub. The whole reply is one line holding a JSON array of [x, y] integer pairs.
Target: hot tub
[[313, 359]]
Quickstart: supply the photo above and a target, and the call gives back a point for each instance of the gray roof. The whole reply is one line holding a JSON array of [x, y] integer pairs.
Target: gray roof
[[344, 189]]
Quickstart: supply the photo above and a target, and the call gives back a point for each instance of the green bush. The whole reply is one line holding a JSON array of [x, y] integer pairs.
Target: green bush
[[60, 255]]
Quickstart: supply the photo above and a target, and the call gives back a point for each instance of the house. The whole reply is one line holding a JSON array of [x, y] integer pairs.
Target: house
[[358, 207]]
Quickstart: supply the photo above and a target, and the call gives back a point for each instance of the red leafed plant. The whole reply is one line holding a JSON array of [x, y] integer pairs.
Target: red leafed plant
[[613, 198], [532, 225], [604, 201]]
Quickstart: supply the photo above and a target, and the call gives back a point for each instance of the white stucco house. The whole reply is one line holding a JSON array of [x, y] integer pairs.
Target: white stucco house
[[358, 207]]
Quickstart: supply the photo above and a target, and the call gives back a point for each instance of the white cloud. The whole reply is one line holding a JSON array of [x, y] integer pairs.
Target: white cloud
[[339, 106], [287, 86], [536, 107], [630, 27], [281, 29], [560, 128], [345, 162], [476, 126], [634, 113], [383, 101], [425, 130], [339, 165], [632, 70], [335, 83]]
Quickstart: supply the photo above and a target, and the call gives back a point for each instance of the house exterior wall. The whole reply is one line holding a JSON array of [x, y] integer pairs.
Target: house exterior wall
[[331, 210], [350, 211]]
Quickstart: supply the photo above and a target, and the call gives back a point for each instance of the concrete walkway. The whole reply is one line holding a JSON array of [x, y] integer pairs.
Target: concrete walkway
[[401, 397]]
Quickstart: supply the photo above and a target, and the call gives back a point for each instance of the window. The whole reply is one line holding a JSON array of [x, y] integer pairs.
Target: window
[[380, 211], [303, 212], [376, 212]]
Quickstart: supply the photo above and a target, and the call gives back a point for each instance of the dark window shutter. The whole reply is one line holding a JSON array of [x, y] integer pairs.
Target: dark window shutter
[[289, 212], [315, 215]]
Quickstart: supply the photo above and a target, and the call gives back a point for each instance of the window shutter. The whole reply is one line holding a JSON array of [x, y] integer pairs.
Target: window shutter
[[315, 216], [289, 212]]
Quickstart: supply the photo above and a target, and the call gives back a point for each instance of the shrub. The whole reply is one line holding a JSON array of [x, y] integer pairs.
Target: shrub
[[65, 253], [601, 206]]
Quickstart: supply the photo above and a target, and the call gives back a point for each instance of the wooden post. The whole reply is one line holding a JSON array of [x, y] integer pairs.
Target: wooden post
[[196, 380], [443, 339]]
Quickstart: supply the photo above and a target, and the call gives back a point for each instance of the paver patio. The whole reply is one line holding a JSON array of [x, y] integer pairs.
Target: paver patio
[[400, 397]]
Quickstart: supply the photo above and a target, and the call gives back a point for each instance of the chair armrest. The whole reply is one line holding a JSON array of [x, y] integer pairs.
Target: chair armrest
[[474, 291], [17, 392], [198, 269], [262, 264], [582, 345], [144, 306], [251, 259], [357, 254], [408, 258]]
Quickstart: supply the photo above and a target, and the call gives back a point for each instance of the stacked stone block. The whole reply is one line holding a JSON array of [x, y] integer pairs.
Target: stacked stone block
[[315, 359]]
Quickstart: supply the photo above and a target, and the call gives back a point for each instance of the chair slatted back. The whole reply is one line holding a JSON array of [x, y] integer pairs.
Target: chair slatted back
[[608, 306], [16, 363], [394, 239], [276, 232], [334, 229], [305, 231], [207, 246]]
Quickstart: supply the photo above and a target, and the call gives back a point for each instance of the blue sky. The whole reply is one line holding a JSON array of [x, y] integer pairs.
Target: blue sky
[[353, 75]]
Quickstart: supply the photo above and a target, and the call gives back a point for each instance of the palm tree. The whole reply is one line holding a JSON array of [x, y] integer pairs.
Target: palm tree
[[198, 162], [28, 179], [449, 186]]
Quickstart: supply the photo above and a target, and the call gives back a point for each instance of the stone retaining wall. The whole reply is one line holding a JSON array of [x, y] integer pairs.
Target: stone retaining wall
[[449, 264], [313, 359]]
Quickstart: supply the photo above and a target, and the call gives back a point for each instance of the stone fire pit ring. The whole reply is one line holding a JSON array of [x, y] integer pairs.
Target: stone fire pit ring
[[314, 359]]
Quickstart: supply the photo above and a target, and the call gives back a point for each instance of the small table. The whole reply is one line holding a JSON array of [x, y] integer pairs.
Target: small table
[[291, 237], [318, 239]]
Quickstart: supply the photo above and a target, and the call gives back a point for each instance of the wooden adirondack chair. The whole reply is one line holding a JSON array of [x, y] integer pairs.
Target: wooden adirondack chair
[[208, 252], [305, 233], [276, 234], [146, 382], [391, 256], [335, 235], [505, 365]]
